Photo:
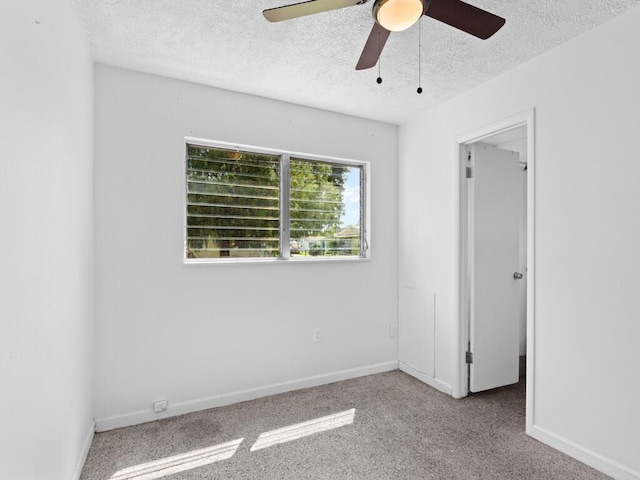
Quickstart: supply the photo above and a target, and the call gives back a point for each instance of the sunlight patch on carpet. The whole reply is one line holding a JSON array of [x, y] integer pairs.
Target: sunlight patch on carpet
[[178, 463], [304, 429]]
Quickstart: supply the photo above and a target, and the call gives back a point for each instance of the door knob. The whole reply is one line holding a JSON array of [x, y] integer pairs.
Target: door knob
[[517, 275]]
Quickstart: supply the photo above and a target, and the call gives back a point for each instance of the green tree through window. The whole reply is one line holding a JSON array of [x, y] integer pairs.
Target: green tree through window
[[234, 205]]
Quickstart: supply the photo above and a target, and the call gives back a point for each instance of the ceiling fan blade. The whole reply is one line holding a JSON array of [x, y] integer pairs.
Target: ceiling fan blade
[[373, 48], [306, 8], [465, 17]]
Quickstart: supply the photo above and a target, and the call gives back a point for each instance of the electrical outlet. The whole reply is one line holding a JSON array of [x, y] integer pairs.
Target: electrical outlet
[[317, 335], [160, 406], [393, 330]]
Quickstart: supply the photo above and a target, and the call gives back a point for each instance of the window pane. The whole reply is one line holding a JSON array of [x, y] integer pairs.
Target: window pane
[[325, 211], [233, 204]]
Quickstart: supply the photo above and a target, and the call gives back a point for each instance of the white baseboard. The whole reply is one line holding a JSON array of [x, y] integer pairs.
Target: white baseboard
[[84, 452], [143, 416], [599, 462], [431, 381]]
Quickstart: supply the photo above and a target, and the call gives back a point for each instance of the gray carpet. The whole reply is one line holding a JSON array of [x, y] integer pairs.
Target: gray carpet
[[402, 429]]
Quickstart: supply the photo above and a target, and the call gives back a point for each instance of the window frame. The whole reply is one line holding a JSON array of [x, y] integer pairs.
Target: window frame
[[284, 211]]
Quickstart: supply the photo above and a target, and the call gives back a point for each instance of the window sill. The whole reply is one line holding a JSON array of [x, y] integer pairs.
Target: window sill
[[293, 260]]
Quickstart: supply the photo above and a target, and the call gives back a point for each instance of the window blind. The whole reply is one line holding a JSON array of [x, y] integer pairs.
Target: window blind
[[233, 203]]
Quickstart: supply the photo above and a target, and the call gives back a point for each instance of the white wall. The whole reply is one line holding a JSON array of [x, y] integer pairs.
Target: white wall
[[587, 234], [46, 253], [202, 335]]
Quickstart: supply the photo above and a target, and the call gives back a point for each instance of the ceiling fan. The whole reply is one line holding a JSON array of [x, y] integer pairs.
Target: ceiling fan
[[397, 15]]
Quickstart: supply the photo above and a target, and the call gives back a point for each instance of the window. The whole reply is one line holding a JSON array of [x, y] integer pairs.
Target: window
[[250, 204]]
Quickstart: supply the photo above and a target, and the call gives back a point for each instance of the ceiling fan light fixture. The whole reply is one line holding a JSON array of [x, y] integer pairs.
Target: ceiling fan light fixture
[[397, 15]]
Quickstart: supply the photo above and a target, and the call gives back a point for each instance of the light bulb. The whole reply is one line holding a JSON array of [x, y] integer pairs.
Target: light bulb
[[397, 15]]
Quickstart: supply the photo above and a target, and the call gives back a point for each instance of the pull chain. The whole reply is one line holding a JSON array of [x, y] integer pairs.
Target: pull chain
[[379, 79], [419, 57]]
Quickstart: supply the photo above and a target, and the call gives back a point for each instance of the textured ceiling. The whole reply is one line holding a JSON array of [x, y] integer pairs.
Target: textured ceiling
[[311, 60]]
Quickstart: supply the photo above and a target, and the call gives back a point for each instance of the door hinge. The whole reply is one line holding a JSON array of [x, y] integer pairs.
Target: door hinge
[[469, 172], [468, 357]]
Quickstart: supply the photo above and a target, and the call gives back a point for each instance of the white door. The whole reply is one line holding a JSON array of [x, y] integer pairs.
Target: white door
[[494, 227]]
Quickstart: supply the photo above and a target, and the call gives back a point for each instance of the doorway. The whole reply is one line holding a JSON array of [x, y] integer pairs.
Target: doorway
[[496, 314]]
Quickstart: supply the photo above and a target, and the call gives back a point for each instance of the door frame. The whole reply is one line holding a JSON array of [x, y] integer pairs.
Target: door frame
[[461, 388]]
